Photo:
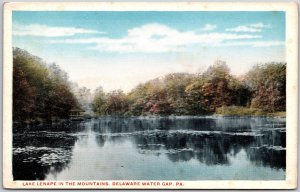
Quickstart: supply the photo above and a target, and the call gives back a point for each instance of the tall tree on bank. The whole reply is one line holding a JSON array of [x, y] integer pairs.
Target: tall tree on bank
[[220, 88], [99, 101], [113, 103], [40, 92], [268, 85]]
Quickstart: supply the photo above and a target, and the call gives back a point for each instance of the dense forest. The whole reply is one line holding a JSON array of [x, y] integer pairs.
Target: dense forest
[[259, 92], [42, 92]]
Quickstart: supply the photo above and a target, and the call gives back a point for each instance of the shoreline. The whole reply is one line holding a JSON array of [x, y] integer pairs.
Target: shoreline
[[209, 116]]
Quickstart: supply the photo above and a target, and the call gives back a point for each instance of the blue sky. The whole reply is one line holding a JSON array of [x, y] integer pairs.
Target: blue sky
[[118, 50]]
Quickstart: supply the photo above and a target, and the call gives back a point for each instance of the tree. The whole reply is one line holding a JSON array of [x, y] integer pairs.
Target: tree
[[262, 87], [216, 87], [219, 70], [99, 101], [157, 103], [23, 96], [116, 103], [40, 92], [175, 86], [137, 100], [240, 91], [194, 99], [268, 85]]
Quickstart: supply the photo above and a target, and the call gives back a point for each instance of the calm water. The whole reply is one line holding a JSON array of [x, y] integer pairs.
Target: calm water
[[174, 148]]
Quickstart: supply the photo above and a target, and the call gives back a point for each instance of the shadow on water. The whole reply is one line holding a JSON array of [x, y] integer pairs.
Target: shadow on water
[[38, 151], [209, 140]]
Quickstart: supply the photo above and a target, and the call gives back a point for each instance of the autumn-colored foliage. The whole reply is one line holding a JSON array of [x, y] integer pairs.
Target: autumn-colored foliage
[[268, 85], [40, 92], [262, 88], [43, 91]]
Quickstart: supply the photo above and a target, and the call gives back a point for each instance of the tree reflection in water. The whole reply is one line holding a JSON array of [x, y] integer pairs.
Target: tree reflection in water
[[182, 140], [39, 151]]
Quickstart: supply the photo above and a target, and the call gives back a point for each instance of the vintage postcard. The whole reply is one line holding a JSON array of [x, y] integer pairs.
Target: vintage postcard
[[150, 95]]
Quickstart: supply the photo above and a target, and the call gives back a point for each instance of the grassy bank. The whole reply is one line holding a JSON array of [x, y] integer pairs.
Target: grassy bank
[[245, 111]]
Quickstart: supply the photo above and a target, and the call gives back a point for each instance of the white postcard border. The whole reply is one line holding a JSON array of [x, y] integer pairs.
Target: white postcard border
[[291, 10]]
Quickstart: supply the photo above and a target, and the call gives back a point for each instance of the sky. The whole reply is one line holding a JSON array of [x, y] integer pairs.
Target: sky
[[119, 50]]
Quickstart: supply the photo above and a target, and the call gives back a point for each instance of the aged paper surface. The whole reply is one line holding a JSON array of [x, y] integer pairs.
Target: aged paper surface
[[171, 162]]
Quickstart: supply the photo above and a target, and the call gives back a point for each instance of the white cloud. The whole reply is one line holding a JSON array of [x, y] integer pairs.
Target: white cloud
[[48, 31], [256, 27], [156, 38], [209, 27], [253, 43]]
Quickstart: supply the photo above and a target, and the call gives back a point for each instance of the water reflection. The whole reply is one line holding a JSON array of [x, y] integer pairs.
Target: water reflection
[[190, 148], [39, 150]]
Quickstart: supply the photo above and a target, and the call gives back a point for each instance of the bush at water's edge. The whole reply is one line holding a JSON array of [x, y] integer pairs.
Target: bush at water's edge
[[245, 111]]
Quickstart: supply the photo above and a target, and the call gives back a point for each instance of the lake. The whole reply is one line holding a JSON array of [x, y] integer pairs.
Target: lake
[[152, 148]]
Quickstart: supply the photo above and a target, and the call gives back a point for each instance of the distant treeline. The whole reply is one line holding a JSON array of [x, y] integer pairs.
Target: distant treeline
[[260, 91], [40, 92]]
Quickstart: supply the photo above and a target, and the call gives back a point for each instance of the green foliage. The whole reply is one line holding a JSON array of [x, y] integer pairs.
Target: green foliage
[[220, 88], [40, 92], [214, 91], [43, 92], [268, 85], [246, 111], [99, 101], [239, 111], [195, 95], [174, 86], [113, 103], [219, 70], [116, 103]]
